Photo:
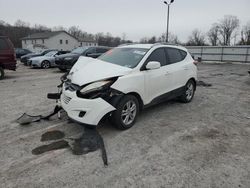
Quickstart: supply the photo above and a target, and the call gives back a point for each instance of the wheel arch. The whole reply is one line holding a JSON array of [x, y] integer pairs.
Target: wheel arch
[[141, 104], [194, 80]]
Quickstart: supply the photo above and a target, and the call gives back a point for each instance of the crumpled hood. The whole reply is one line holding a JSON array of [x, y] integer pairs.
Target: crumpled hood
[[87, 70]]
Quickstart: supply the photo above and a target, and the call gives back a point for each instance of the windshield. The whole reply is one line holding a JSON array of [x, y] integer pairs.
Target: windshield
[[79, 50], [50, 54], [127, 57]]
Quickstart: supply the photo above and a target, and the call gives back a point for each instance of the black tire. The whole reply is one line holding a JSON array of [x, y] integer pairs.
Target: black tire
[[1, 73], [62, 69], [188, 93], [45, 64], [117, 117]]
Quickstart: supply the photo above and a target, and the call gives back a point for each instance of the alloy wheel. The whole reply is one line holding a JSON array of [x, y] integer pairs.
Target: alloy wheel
[[129, 112]]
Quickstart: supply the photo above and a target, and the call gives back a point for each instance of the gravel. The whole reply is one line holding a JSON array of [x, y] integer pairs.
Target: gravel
[[205, 143]]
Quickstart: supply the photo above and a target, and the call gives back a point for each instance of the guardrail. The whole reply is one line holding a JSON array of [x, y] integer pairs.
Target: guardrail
[[221, 53]]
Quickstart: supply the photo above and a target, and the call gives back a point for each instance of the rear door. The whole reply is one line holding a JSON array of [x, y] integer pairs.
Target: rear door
[[177, 66]]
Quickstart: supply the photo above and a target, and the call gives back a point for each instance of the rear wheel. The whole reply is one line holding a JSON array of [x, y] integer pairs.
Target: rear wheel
[[1, 73], [45, 64], [126, 112], [189, 91]]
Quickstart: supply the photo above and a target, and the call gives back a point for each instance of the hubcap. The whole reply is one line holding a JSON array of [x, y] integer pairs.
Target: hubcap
[[189, 91], [128, 112], [46, 65]]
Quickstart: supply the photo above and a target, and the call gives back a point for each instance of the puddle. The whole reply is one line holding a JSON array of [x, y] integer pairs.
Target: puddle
[[204, 84], [237, 74], [50, 147], [89, 141], [217, 74], [52, 135]]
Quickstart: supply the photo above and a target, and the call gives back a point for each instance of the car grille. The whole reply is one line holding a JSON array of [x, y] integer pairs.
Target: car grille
[[66, 99]]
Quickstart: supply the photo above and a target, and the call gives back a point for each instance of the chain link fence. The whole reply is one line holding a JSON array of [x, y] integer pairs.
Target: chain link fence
[[221, 53]]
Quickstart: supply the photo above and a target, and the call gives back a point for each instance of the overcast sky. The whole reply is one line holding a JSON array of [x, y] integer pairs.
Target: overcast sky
[[136, 18]]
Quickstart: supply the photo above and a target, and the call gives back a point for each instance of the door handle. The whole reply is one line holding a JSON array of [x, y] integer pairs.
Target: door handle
[[185, 68], [167, 73]]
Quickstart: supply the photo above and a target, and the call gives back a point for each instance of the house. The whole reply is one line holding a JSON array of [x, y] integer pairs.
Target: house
[[87, 42], [60, 40]]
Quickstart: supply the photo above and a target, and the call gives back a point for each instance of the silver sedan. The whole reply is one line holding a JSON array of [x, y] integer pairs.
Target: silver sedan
[[46, 61]]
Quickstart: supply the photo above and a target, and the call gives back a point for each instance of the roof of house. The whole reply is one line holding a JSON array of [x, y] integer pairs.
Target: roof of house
[[44, 35]]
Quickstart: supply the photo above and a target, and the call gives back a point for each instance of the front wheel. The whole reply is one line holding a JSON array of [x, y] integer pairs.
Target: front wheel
[[45, 64], [189, 91], [126, 112], [1, 73]]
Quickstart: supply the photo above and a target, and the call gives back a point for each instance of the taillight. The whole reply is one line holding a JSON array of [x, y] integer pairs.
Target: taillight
[[195, 63], [14, 56]]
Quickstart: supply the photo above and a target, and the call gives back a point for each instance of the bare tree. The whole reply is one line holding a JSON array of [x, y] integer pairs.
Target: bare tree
[[75, 31], [41, 28], [59, 28], [228, 25], [197, 38], [213, 34], [20, 23], [245, 34]]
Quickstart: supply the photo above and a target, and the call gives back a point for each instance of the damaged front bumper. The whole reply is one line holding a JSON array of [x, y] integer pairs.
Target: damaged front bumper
[[86, 111]]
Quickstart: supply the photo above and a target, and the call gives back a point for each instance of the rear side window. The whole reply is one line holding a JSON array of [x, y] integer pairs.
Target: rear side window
[[101, 50], [3, 44], [158, 55], [174, 55], [183, 54]]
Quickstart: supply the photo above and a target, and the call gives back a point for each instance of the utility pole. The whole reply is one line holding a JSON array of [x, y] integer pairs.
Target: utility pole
[[168, 4]]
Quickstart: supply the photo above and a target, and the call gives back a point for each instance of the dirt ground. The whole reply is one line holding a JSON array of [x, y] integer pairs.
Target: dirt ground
[[202, 144]]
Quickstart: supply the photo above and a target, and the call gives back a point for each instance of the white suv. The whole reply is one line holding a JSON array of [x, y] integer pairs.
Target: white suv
[[125, 80]]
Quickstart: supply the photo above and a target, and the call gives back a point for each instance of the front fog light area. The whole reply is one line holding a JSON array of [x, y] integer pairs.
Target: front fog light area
[[82, 114]]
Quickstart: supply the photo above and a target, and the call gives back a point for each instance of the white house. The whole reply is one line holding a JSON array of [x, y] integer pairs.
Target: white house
[[87, 42], [60, 40]]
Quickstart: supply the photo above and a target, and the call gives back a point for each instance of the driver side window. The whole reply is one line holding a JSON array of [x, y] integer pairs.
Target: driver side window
[[159, 56]]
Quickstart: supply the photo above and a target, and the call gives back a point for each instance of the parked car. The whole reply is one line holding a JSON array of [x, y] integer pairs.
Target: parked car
[[67, 61], [21, 52], [125, 80], [46, 61], [7, 56], [24, 59]]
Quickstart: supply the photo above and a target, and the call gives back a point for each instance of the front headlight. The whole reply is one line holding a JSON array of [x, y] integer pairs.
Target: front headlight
[[96, 86]]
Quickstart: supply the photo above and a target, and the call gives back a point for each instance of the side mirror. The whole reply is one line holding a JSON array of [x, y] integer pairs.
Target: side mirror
[[153, 65]]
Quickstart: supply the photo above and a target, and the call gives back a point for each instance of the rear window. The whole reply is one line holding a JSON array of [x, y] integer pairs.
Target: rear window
[[3, 44]]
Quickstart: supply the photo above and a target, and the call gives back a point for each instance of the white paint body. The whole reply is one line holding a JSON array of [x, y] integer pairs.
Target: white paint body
[[148, 84]]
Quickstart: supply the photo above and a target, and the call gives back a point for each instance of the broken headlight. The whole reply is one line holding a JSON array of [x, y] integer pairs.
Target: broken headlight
[[96, 89], [96, 86]]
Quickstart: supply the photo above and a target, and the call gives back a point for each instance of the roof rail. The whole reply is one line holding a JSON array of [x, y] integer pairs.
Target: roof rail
[[126, 44], [164, 43]]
